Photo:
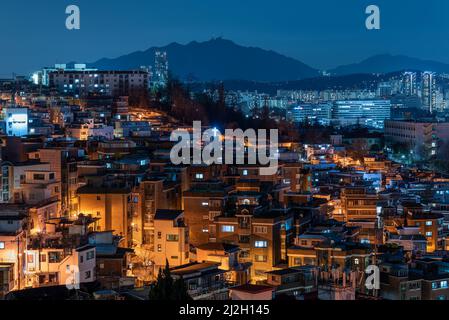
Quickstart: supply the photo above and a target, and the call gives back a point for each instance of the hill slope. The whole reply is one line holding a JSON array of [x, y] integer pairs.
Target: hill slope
[[216, 59], [387, 63]]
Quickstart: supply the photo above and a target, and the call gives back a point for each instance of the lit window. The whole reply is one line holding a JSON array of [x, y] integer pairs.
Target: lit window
[[90, 255], [429, 234], [172, 237], [428, 223], [199, 176], [356, 261], [260, 258], [260, 229], [205, 204], [2, 245], [245, 172], [260, 244], [443, 284], [227, 228]]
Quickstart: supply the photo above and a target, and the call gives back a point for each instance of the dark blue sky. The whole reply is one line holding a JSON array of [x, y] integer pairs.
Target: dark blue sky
[[321, 33]]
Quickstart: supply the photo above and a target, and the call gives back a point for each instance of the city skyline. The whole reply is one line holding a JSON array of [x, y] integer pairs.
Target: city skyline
[[323, 35], [227, 165]]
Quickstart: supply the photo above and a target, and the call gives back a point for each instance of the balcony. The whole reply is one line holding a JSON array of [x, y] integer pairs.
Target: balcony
[[244, 239], [211, 290], [244, 232], [245, 226], [148, 226]]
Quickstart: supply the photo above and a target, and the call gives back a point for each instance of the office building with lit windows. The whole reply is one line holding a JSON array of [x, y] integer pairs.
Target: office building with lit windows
[[429, 91], [111, 83], [369, 113], [320, 113], [422, 137], [41, 77]]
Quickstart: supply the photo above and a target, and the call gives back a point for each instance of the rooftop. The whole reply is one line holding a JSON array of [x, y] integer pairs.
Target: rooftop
[[253, 288], [103, 190], [195, 267], [219, 247], [165, 214]]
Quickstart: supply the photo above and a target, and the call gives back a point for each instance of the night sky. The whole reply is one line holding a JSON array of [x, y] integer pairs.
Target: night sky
[[321, 33]]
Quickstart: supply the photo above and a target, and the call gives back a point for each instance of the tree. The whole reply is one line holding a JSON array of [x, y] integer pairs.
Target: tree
[[156, 292], [167, 289], [180, 291], [178, 101]]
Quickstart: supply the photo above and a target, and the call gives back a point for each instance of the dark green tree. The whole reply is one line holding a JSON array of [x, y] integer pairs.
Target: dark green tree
[[156, 292], [167, 289], [180, 291]]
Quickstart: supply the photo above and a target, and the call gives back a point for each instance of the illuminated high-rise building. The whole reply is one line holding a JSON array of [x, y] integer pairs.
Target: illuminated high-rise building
[[160, 68], [409, 85], [429, 91]]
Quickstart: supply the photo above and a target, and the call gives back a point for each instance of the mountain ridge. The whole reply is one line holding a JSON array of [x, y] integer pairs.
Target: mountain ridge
[[221, 59], [216, 59], [388, 63]]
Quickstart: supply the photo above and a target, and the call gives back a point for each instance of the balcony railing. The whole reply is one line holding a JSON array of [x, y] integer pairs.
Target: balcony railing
[[215, 288]]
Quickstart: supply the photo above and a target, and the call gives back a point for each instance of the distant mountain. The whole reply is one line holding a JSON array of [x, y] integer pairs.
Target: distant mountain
[[387, 63], [216, 59]]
